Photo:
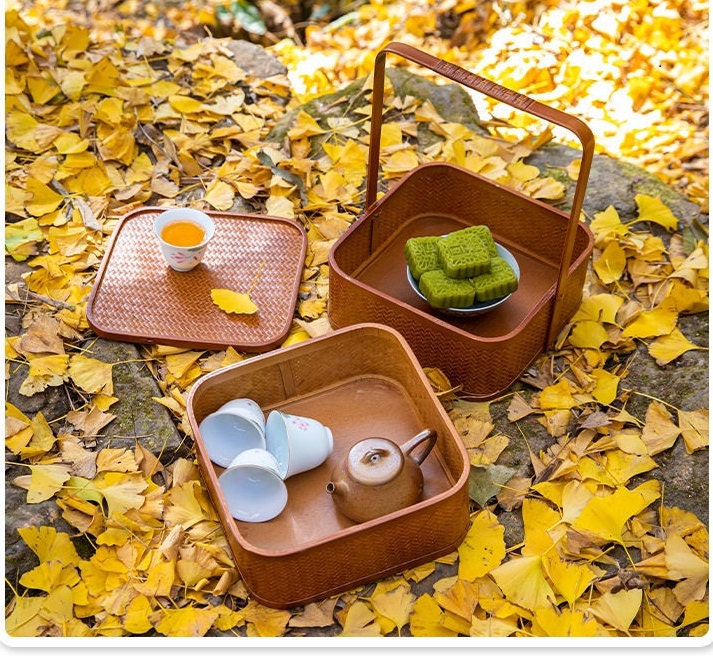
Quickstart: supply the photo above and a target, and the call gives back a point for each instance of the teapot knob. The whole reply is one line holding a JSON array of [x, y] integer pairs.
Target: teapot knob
[[373, 456], [374, 461]]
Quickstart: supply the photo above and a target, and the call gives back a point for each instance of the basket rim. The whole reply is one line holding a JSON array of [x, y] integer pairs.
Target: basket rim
[[348, 531]]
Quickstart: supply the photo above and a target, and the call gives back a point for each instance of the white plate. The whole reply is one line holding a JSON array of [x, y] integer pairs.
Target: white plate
[[476, 308]]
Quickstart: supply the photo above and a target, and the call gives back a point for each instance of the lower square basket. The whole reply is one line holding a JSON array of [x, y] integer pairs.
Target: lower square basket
[[360, 381]]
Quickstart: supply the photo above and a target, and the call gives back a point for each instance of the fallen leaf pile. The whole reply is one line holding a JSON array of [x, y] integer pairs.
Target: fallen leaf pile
[[100, 122], [634, 71]]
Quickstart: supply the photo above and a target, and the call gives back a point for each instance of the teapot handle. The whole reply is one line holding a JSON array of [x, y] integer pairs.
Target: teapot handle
[[425, 435]]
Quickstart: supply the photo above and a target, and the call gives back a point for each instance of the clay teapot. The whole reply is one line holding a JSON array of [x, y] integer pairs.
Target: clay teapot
[[378, 476]]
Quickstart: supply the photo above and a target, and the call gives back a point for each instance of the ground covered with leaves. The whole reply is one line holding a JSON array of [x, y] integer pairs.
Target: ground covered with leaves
[[114, 110]]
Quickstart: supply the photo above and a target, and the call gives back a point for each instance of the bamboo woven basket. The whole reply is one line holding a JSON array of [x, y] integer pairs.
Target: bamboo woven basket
[[360, 381], [485, 354]]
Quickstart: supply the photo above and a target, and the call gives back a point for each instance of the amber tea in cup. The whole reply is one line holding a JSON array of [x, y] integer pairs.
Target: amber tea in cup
[[183, 235]]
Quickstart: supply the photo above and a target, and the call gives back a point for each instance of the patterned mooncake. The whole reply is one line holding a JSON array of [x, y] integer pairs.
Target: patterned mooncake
[[500, 282], [421, 255], [463, 255], [485, 236], [442, 291]]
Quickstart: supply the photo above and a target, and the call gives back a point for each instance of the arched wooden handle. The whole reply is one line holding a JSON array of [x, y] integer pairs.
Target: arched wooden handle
[[508, 96]]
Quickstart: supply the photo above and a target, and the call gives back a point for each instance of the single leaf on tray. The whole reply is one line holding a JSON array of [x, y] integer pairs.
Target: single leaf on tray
[[235, 302]]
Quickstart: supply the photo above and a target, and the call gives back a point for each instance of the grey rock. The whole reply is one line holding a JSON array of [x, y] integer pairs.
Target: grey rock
[[451, 101], [139, 419], [611, 182]]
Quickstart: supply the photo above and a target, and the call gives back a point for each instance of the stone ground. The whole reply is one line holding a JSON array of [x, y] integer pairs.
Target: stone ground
[[683, 383]]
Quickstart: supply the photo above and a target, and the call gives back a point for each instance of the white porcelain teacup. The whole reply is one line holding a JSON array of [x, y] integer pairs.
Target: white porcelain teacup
[[298, 443], [236, 426], [252, 486], [183, 235]]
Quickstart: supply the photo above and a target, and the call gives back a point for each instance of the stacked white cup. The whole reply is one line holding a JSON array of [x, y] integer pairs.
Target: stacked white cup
[[259, 455]]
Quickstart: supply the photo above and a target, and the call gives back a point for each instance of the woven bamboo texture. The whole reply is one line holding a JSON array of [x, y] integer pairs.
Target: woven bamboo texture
[[484, 354], [361, 381], [137, 297]]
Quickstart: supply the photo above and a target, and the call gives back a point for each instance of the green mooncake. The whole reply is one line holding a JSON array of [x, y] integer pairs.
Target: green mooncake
[[463, 255], [442, 291], [421, 255], [499, 282], [483, 233]]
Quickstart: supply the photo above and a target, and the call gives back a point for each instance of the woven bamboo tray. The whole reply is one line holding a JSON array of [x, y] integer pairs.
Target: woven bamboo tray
[[137, 297], [485, 354], [361, 381]]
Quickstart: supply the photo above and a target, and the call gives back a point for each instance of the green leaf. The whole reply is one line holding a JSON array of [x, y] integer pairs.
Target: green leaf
[[486, 482]]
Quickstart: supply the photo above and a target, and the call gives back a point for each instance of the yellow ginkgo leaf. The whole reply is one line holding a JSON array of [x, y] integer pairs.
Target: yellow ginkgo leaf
[[523, 582], [483, 547], [668, 347], [427, 619], [400, 162], [557, 396], [567, 623], [607, 225], [618, 609], [393, 607], [44, 199], [179, 363], [43, 438], [570, 579], [304, 126], [121, 490], [540, 522], [46, 481], [159, 580], [588, 334], [24, 619], [653, 210], [694, 428], [606, 516], [659, 432], [610, 264], [459, 602], [523, 172], [359, 621], [493, 627], [220, 195], [49, 365], [281, 206], [185, 104], [545, 188], [187, 622], [49, 575], [49, 544], [136, 619], [599, 308], [233, 302], [605, 389], [652, 323], [91, 375]]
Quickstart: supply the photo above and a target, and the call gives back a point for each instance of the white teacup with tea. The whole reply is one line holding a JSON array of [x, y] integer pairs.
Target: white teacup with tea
[[183, 235]]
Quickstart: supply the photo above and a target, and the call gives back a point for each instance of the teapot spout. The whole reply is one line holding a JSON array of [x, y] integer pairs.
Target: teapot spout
[[337, 489]]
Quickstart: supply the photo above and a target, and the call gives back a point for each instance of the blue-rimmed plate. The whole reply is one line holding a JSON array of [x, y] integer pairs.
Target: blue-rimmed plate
[[476, 308]]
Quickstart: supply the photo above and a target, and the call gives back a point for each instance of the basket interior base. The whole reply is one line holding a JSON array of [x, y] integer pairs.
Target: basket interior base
[[354, 409], [385, 271]]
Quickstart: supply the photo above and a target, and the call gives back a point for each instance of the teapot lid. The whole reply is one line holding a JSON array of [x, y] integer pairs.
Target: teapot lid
[[375, 461]]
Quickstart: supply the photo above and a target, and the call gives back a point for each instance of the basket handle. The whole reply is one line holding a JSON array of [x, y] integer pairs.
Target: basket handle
[[513, 98]]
